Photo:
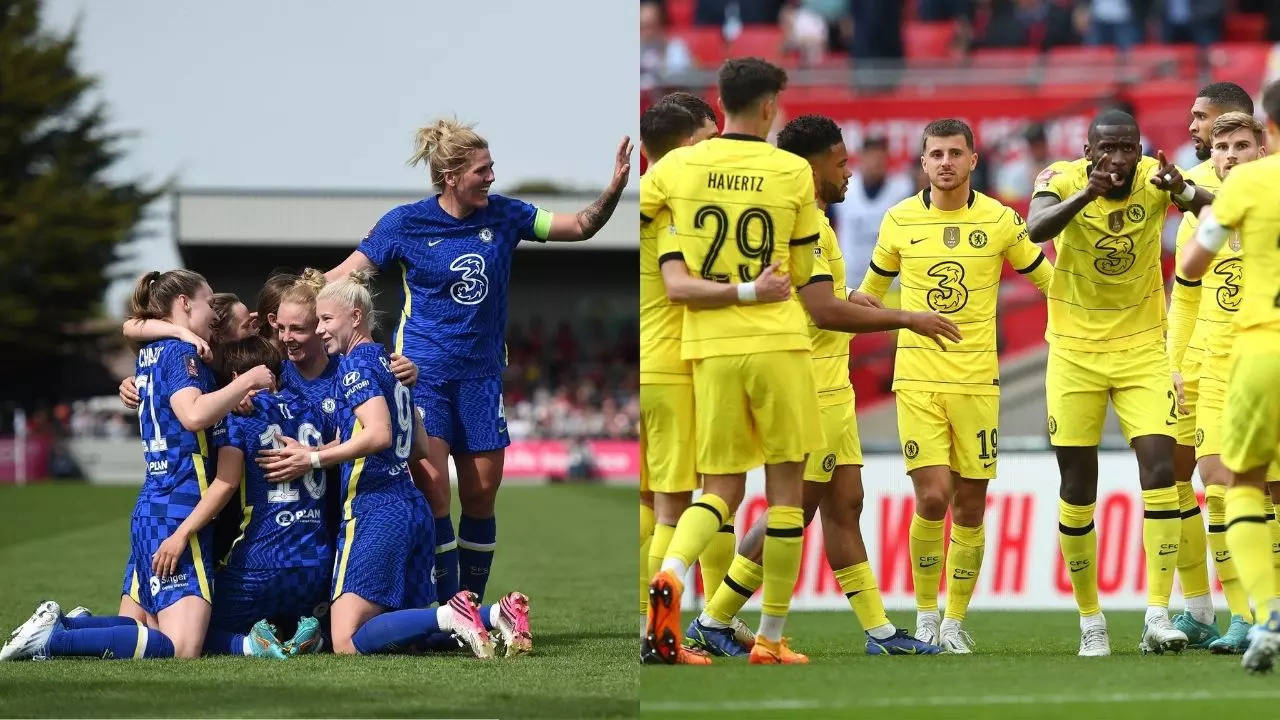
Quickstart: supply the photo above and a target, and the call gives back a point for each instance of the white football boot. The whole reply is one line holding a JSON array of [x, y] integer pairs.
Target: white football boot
[[31, 637], [1160, 636], [953, 638], [1094, 640], [927, 626]]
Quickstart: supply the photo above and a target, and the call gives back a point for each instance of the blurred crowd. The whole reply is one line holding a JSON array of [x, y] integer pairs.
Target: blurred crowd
[[815, 29], [568, 381]]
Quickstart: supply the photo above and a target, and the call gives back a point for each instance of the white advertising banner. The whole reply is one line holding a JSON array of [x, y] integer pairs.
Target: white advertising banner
[[1022, 567]]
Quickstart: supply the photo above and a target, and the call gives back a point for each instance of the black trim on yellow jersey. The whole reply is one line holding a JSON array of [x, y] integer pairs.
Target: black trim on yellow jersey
[[881, 271], [671, 256], [1035, 264], [1046, 193], [741, 136], [972, 197], [1183, 281], [806, 240], [817, 279], [645, 218]]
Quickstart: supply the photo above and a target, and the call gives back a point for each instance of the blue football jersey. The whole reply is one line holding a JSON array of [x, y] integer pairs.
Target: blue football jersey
[[283, 523], [365, 373], [315, 391], [455, 274], [179, 462]]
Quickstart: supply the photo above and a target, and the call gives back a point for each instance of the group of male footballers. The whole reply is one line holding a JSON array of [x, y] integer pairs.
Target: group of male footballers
[[745, 327]]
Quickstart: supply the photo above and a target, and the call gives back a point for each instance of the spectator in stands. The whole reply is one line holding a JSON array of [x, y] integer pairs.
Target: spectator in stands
[[872, 191], [804, 32], [939, 10], [660, 56], [722, 12], [1114, 22], [1014, 178], [1065, 23], [877, 29], [1002, 23], [1197, 21]]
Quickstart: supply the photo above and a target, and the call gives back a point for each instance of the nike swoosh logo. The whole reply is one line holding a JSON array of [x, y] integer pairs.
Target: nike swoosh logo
[[433, 243], [1092, 217], [930, 564], [1170, 422], [918, 240], [1076, 570], [988, 465], [1168, 552]]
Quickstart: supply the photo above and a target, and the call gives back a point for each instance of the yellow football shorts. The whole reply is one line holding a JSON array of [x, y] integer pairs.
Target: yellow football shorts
[[1185, 430], [840, 432], [1137, 381], [959, 431], [1252, 411], [667, 447], [1212, 396], [755, 409]]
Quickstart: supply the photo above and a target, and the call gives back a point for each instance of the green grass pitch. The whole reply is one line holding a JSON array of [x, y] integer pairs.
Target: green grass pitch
[[568, 547], [1024, 667]]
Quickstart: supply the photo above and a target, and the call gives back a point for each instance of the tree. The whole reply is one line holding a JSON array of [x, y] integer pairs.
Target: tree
[[61, 218]]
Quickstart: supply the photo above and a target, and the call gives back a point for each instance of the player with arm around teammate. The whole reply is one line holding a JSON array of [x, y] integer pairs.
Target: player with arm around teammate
[[180, 408], [455, 250]]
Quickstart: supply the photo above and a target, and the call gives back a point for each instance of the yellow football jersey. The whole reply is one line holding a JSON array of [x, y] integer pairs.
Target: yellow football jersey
[[660, 319], [830, 347], [1220, 293], [737, 204], [1189, 332], [1247, 202], [1108, 289], [949, 262]]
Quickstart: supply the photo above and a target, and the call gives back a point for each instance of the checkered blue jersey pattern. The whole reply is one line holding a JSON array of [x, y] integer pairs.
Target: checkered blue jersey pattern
[[178, 461], [363, 374], [315, 391], [455, 274], [283, 523]]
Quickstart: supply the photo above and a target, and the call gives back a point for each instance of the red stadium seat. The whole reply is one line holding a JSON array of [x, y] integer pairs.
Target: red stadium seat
[[1168, 61], [922, 40], [762, 41], [1079, 65], [1245, 27], [1240, 63], [1005, 57], [680, 13], [705, 43]]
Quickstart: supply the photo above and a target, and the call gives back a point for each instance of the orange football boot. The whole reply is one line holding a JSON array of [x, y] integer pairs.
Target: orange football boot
[[662, 633], [766, 653]]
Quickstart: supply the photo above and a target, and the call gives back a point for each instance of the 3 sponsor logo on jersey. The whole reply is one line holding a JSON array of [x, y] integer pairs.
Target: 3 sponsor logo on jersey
[[285, 518]]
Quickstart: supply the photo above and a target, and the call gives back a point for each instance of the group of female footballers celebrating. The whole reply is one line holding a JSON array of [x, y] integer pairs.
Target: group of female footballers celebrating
[[336, 451]]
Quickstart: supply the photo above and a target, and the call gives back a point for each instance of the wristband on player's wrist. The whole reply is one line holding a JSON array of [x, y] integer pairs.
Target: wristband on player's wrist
[[1188, 192], [315, 460], [747, 292]]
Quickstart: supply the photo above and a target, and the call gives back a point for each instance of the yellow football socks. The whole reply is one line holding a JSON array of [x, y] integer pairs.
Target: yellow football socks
[[783, 547], [858, 583], [743, 578], [698, 524], [1079, 543], [1193, 570], [658, 549], [1161, 530], [964, 560], [1223, 564], [1274, 525], [926, 560], [714, 561], [647, 521], [1250, 543]]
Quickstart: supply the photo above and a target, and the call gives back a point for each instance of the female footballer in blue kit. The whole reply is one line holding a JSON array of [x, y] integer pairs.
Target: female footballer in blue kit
[[455, 251], [382, 575], [179, 407]]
